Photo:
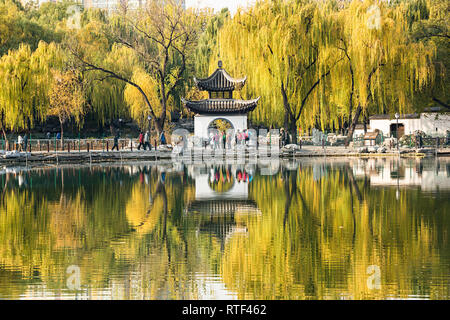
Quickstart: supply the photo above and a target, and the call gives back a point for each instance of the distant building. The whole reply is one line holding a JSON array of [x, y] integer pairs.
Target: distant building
[[432, 123], [112, 5], [108, 5]]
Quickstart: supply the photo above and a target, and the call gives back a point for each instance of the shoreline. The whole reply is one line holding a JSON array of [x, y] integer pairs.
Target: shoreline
[[99, 156]]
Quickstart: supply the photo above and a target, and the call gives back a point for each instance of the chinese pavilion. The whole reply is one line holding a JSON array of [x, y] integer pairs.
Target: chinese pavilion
[[220, 104]]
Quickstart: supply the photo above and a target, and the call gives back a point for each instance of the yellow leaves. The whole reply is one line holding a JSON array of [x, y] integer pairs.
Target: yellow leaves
[[133, 97], [66, 96], [142, 215], [24, 95], [121, 59], [92, 40]]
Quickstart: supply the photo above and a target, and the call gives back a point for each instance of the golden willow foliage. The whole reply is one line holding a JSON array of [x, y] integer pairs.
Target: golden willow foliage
[[386, 67], [135, 100], [103, 235], [150, 51], [26, 77], [299, 45], [207, 41], [67, 97], [316, 239], [315, 236], [105, 96], [430, 23], [272, 44]]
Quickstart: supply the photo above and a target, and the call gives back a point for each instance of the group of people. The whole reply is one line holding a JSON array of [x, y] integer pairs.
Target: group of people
[[49, 135], [225, 175], [144, 140], [225, 140], [284, 137], [243, 176]]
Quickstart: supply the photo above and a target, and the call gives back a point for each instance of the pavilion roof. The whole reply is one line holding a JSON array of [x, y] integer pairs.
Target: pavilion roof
[[216, 106], [220, 80]]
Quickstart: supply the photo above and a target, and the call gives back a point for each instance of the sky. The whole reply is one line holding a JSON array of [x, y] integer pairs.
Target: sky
[[232, 5]]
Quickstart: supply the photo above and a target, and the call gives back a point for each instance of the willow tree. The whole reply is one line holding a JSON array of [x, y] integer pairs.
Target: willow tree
[[284, 48], [207, 41], [16, 28], [157, 46], [430, 23], [383, 68], [67, 99], [25, 81]]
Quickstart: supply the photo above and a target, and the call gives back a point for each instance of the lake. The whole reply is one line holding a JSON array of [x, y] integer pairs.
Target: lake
[[308, 229]]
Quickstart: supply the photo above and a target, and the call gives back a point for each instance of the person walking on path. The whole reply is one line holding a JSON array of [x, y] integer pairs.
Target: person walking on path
[[162, 138], [116, 142], [246, 137], [224, 139], [19, 142], [282, 137], [216, 140], [141, 141], [147, 141], [25, 142]]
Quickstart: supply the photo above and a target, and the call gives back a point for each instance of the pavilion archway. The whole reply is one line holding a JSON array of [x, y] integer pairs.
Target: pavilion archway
[[220, 124], [203, 122]]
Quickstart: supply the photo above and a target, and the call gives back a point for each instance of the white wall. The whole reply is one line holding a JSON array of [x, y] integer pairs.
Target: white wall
[[431, 121], [201, 123], [380, 124], [428, 122]]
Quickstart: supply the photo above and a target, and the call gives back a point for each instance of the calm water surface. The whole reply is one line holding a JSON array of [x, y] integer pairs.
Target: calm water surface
[[313, 229]]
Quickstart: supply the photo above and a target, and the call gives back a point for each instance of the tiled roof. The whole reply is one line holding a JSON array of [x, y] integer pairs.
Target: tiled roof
[[371, 135], [391, 117], [215, 106], [220, 80]]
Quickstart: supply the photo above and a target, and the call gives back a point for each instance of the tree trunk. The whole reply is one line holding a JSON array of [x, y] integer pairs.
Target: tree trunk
[[293, 130], [4, 136], [288, 115], [365, 123], [286, 120], [353, 124], [159, 125], [62, 135]]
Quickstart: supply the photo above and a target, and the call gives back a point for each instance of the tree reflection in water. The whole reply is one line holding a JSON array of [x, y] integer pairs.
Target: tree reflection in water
[[304, 230]]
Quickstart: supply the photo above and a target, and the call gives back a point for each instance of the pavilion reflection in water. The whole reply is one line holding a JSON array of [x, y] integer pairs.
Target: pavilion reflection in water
[[221, 196]]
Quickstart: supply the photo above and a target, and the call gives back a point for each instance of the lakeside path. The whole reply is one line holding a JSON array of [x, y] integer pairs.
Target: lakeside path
[[113, 156]]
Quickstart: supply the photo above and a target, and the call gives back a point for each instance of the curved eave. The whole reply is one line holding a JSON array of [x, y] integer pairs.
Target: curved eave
[[220, 106], [220, 80]]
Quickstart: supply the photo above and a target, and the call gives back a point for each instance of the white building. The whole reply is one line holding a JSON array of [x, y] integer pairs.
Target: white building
[[432, 123], [220, 104]]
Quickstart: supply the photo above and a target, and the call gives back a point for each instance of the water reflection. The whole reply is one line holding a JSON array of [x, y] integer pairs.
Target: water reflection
[[273, 230]]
